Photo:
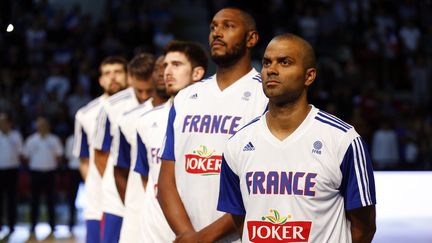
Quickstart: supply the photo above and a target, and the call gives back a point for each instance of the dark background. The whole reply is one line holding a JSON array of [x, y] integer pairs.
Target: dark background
[[374, 58]]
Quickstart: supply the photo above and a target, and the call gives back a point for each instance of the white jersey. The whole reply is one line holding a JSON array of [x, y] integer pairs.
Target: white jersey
[[200, 122], [107, 140], [127, 153], [10, 149], [151, 132], [296, 190], [85, 126]]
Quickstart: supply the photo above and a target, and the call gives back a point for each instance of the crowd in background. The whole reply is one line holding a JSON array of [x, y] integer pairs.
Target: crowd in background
[[374, 62]]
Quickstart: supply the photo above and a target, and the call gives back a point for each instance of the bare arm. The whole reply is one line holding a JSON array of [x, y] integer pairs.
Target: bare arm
[[238, 222], [121, 176], [363, 225], [170, 201], [83, 168], [101, 158]]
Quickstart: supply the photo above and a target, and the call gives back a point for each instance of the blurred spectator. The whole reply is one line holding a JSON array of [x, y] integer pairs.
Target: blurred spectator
[[43, 151], [385, 153], [10, 151]]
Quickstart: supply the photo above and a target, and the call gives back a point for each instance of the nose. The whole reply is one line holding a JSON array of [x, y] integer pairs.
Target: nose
[[216, 33], [167, 72], [271, 70]]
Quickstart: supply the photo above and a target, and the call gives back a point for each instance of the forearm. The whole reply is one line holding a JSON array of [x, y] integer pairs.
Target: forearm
[[218, 229], [83, 168], [363, 225], [170, 201], [121, 176], [101, 158]]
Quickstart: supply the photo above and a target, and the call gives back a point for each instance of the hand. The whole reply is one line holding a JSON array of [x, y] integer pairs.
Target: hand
[[190, 237]]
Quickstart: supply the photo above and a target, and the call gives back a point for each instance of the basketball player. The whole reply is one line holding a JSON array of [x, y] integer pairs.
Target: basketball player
[[296, 173], [129, 183], [185, 63], [202, 118], [112, 79], [107, 138]]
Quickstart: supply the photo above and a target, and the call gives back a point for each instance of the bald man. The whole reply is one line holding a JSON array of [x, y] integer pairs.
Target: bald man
[[297, 173]]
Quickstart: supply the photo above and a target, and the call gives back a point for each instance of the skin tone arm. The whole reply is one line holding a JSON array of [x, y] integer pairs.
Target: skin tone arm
[[101, 158], [83, 168], [121, 176], [213, 232], [170, 201], [363, 225]]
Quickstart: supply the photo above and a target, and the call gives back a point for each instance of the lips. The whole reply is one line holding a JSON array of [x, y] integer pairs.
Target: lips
[[217, 43], [272, 82]]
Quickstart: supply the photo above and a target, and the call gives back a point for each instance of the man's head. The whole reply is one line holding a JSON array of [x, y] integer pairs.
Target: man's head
[[5, 123], [158, 77], [140, 71], [42, 125], [232, 34], [288, 68], [185, 62], [113, 74]]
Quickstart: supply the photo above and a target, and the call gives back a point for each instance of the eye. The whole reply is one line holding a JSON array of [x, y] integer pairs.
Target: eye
[[265, 63], [285, 62]]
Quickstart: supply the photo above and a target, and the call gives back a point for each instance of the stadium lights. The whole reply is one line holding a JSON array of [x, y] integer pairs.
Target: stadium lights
[[10, 28]]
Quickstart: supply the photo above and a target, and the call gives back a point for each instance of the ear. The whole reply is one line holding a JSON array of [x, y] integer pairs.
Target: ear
[[310, 76], [252, 38], [197, 73]]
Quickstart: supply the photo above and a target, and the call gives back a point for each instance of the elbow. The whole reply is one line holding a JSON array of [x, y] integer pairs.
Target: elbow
[[364, 236]]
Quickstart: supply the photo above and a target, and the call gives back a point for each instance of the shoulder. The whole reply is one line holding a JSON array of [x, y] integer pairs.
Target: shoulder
[[340, 133], [246, 130], [120, 96], [190, 92], [94, 104]]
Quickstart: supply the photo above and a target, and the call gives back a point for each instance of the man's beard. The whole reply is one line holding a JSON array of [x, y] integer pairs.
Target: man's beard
[[231, 56]]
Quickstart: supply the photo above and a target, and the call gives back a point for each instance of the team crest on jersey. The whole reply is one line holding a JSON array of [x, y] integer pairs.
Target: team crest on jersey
[[203, 161], [246, 95], [274, 228], [317, 146]]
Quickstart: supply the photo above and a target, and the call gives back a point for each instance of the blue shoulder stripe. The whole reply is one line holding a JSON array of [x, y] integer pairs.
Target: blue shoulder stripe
[[257, 78], [331, 124], [334, 119], [251, 122]]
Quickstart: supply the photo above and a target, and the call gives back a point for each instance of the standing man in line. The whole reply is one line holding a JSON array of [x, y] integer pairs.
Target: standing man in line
[[202, 118], [185, 63], [129, 184], [10, 151], [297, 169], [107, 129], [112, 79], [43, 151]]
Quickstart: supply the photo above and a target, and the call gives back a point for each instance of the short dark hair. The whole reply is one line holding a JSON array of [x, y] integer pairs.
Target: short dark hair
[[141, 66], [309, 58], [193, 51], [115, 60], [247, 18]]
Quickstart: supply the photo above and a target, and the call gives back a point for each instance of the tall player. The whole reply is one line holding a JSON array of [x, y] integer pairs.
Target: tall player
[[112, 79], [185, 63], [202, 118], [128, 183], [107, 139], [296, 173]]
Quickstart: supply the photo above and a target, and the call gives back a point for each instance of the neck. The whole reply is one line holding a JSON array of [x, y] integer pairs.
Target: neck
[[225, 76], [159, 100], [283, 120]]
